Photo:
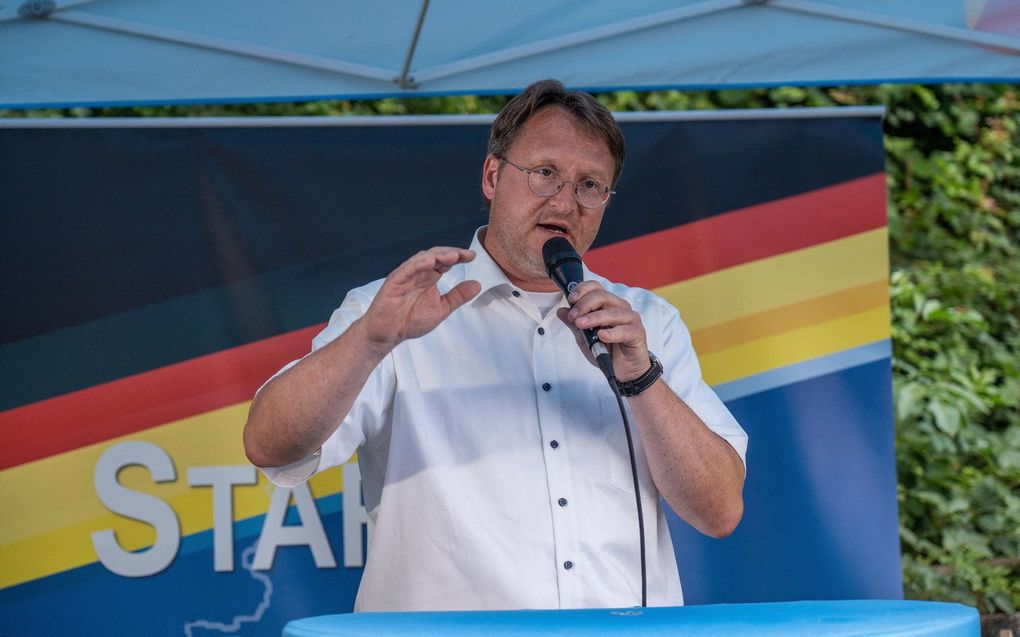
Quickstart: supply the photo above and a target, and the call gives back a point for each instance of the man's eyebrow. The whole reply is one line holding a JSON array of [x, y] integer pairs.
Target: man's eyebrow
[[594, 172]]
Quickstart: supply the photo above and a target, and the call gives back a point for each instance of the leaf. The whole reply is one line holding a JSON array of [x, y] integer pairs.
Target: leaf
[[964, 542], [1009, 460], [930, 307], [947, 417], [1002, 602], [909, 399]]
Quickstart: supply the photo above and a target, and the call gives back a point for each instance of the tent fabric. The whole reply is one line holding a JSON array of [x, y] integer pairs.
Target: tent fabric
[[82, 52]]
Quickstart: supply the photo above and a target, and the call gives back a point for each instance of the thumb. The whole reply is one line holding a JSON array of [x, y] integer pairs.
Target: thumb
[[461, 294]]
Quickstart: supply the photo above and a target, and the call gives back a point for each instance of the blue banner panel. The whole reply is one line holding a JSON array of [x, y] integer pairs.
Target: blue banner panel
[[154, 277], [819, 488]]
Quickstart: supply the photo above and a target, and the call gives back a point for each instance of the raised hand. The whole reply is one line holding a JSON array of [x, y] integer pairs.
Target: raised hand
[[409, 304]]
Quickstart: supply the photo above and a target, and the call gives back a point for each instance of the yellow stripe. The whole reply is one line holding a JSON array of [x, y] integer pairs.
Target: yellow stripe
[[796, 345], [790, 317], [52, 507], [789, 278], [57, 508]]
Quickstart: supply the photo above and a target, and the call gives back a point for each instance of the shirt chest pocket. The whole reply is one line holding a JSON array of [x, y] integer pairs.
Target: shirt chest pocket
[[617, 454]]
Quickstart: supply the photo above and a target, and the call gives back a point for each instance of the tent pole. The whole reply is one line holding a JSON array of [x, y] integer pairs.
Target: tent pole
[[38, 10], [404, 80]]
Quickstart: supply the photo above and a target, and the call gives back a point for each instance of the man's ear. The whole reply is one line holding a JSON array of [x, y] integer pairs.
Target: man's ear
[[490, 175]]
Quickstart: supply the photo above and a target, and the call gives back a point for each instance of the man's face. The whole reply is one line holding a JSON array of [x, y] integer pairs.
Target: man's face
[[520, 222]]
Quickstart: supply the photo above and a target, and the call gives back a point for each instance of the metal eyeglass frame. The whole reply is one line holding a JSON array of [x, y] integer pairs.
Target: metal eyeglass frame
[[530, 171]]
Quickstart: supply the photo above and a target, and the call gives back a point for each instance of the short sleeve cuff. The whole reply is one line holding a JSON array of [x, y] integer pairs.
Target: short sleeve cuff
[[295, 473]]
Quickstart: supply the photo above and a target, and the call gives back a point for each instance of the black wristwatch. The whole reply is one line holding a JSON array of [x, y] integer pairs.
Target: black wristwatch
[[644, 381]]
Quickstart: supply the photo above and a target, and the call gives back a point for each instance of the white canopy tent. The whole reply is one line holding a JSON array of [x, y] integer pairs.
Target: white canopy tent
[[95, 52]]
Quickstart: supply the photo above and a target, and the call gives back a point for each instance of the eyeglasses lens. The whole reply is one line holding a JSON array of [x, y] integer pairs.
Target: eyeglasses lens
[[546, 182]]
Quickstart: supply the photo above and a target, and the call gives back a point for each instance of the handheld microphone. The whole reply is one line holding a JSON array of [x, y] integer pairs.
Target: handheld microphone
[[564, 267]]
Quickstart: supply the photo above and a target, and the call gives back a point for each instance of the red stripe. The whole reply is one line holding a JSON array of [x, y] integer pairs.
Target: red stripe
[[145, 400], [745, 235], [163, 395]]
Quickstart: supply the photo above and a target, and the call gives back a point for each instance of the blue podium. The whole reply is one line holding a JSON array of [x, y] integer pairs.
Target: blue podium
[[786, 619]]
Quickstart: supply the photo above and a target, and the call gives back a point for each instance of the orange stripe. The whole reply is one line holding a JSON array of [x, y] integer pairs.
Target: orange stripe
[[791, 317]]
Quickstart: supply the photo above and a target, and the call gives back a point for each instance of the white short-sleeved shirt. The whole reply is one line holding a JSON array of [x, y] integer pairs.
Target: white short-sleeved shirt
[[494, 461]]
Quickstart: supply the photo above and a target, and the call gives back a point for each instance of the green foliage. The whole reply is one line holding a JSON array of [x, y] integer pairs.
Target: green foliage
[[953, 165], [953, 160], [462, 105]]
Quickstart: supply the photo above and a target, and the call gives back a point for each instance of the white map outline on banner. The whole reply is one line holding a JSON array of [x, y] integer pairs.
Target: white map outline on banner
[[247, 557]]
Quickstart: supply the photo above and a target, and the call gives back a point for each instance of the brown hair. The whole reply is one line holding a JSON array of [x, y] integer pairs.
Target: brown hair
[[594, 116]]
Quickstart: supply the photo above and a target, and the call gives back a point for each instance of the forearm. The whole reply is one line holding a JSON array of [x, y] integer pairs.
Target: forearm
[[296, 412], [698, 473]]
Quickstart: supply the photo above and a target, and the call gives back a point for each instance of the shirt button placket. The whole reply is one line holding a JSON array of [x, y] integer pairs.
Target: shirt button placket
[[558, 470]]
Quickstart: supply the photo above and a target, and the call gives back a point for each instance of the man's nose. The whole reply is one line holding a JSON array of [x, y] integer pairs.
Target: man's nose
[[565, 198]]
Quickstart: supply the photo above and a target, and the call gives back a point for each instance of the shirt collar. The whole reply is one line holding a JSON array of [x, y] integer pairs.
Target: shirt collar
[[485, 270]]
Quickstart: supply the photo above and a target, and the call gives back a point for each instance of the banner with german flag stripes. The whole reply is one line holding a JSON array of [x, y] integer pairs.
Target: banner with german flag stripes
[[156, 272]]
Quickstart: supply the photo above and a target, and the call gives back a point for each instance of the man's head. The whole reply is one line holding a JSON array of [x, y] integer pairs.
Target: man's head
[[547, 135], [586, 109]]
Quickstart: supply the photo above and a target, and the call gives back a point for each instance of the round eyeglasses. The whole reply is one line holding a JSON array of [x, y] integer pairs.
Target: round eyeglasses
[[546, 182]]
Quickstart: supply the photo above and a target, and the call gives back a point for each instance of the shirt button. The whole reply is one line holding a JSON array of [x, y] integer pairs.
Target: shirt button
[[554, 444], [541, 331], [546, 386], [562, 502], [515, 293], [568, 565]]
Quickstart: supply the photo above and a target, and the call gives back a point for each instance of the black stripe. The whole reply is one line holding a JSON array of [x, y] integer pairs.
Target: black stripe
[[680, 172], [137, 248]]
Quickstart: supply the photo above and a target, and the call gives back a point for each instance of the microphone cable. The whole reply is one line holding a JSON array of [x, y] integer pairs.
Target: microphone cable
[[611, 377]]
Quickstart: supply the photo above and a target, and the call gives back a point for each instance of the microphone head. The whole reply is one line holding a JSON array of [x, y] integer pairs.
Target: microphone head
[[557, 251]]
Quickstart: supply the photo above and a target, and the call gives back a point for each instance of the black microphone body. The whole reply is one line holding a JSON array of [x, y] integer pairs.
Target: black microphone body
[[564, 267]]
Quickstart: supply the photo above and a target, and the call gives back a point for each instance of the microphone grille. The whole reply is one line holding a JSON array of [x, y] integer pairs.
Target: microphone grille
[[557, 250]]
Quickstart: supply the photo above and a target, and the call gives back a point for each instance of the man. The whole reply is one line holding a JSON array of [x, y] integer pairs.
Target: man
[[492, 452]]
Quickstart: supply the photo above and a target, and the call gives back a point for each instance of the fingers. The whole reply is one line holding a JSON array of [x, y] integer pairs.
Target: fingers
[[589, 297], [594, 307], [583, 289], [461, 294], [446, 258], [611, 316], [604, 317], [427, 266]]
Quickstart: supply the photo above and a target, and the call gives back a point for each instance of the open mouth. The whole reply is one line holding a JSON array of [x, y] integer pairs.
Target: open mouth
[[551, 227]]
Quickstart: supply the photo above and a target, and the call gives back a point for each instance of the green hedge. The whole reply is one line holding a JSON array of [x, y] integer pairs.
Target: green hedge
[[953, 164], [954, 186]]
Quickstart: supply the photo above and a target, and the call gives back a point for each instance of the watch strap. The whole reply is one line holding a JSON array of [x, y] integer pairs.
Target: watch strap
[[634, 387]]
